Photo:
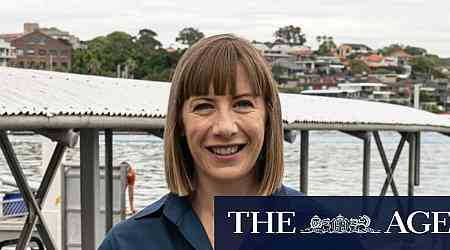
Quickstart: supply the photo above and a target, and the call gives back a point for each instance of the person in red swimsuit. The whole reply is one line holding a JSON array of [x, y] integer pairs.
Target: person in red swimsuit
[[131, 180]]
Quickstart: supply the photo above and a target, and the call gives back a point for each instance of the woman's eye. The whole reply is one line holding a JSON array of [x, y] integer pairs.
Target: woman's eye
[[203, 107], [243, 104]]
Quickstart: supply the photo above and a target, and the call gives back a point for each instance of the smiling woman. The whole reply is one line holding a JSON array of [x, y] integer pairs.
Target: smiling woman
[[223, 136], [216, 69]]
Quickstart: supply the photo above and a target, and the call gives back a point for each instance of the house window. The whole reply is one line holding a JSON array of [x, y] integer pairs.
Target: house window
[[42, 52], [30, 52], [19, 52], [38, 40], [53, 52], [64, 52], [42, 41]]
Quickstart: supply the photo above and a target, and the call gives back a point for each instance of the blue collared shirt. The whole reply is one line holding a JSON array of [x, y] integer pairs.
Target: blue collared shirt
[[167, 224]]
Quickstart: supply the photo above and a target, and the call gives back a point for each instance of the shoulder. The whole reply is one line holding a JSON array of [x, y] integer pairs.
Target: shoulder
[[133, 232], [287, 191]]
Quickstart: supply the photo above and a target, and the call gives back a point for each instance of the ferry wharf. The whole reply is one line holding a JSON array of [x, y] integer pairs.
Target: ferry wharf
[[69, 107]]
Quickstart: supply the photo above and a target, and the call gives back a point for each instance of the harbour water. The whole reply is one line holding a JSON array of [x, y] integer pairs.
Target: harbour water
[[335, 163]]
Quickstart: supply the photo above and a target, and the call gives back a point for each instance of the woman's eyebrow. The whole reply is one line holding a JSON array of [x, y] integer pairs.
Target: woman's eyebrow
[[243, 95], [202, 98]]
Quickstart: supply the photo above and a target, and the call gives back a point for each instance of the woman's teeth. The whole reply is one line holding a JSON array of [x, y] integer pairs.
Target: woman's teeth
[[229, 150]]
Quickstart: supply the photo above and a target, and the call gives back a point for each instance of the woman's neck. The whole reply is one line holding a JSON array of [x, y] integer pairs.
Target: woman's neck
[[206, 189], [203, 198]]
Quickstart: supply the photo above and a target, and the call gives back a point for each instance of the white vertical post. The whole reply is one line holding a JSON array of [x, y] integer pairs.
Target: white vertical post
[[126, 71], [417, 95], [119, 74]]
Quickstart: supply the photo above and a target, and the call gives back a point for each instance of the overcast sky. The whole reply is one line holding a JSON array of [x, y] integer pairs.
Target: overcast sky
[[376, 23]]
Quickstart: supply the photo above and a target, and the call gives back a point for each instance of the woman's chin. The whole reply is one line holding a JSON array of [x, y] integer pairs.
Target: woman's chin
[[231, 174]]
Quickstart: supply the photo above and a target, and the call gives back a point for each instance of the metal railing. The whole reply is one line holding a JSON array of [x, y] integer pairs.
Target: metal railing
[[13, 208]]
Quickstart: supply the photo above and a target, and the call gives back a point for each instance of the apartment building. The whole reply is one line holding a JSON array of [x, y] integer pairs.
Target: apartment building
[[347, 49], [7, 52], [37, 50]]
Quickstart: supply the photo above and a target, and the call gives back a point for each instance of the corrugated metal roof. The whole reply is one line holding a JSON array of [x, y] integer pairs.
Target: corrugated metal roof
[[337, 112], [45, 93], [42, 99]]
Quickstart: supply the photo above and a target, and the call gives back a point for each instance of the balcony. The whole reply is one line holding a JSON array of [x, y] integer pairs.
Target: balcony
[[7, 55]]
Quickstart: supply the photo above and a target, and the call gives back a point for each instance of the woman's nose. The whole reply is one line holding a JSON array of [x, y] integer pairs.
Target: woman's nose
[[225, 124]]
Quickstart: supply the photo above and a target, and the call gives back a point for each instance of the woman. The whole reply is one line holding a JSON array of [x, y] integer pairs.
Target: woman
[[223, 136]]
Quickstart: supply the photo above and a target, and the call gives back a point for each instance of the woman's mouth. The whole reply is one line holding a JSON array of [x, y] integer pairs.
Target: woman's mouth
[[226, 150]]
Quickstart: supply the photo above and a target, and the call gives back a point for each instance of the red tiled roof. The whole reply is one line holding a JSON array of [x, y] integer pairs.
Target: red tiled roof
[[375, 58]]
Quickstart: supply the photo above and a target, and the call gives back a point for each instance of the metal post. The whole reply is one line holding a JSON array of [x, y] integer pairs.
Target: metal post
[[389, 169], [417, 169], [42, 192], [304, 155], [366, 165], [32, 204], [89, 178], [366, 137], [108, 179], [411, 162]]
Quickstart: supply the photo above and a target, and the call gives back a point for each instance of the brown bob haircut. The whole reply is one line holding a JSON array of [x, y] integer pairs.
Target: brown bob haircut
[[214, 60]]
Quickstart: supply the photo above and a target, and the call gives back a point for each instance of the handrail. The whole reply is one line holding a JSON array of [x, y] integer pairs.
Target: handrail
[[12, 242]]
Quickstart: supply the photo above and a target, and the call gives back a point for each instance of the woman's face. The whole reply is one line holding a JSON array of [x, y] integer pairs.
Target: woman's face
[[225, 134]]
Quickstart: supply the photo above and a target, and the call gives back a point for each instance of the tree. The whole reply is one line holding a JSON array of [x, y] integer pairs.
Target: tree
[[415, 51], [426, 66], [142, 55], [278, 72], [94, 66], [189, 36], [358, 67], [86, 61], [291, 35], [326, 45], [391, 48], [131, 66], [118, 49], [147, 41], [78, 62], [383, 71], [423, 64]]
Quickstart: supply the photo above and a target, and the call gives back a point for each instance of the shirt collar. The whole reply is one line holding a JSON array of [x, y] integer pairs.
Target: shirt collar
[[179, 211], [153, 208], [174, 206]]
